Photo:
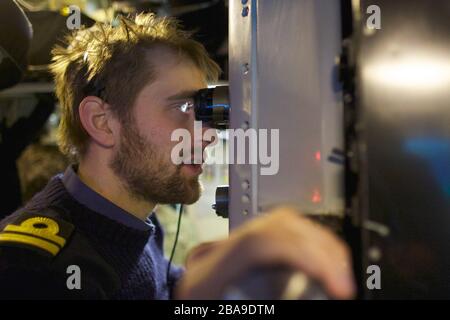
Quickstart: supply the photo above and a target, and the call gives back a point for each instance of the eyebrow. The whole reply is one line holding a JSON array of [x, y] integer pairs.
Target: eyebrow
[[186, 94]]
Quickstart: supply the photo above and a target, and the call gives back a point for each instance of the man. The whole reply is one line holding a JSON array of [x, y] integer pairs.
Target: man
[[123, 90]]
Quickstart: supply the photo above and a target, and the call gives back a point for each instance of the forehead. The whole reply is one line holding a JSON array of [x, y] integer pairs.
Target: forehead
[[173, 74]]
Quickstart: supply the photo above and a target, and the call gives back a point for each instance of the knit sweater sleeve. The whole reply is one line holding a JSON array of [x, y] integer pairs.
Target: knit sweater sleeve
[[76, 271], [25, 277], [176, 272]]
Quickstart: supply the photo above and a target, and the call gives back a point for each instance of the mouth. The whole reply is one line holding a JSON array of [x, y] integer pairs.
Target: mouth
[[192, 166]]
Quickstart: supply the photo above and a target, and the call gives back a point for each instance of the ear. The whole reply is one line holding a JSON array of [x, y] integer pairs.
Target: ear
[[97, 120]]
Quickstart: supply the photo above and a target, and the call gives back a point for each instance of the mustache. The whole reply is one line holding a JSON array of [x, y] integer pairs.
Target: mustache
[[196, 156]]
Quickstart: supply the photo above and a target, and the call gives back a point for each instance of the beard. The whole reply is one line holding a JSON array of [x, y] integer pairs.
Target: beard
[[148, 175]]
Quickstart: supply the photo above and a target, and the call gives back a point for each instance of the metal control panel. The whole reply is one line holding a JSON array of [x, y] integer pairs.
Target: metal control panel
[[282, 57]]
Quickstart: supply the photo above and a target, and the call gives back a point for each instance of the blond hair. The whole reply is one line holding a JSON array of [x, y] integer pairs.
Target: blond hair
[[113, 62]]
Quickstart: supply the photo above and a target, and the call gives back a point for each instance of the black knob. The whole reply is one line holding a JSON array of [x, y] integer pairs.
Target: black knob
[[221, 205]]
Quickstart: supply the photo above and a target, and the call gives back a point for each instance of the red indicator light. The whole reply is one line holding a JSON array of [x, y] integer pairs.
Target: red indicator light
[[317, 156], [316, 198]]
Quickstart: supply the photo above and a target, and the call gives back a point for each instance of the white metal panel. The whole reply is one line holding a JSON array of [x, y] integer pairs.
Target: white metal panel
[[291, 85]]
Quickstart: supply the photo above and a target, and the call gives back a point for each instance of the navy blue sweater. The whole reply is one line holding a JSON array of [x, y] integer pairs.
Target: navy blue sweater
[[116, 261]]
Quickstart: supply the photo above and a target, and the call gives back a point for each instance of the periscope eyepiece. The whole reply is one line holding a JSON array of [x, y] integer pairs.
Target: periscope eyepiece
[[212, 107]]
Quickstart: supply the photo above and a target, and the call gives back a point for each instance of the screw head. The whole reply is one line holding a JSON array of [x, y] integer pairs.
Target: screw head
[[245, 11], [245, 68], [245, 199], [245, 184], [374, 254]]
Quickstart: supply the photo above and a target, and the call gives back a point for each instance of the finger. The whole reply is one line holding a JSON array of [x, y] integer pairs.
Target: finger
[[337, 272], [200, 251], [331, 266]]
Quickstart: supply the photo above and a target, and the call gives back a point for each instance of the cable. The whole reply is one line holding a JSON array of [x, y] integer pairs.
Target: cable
[[180, 212]]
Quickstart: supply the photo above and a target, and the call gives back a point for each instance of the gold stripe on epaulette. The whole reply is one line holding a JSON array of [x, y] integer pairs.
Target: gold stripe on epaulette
[[30, 240], [40, 232], [49, 231]]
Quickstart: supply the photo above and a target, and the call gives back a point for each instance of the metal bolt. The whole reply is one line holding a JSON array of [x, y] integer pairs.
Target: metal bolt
[[245, 68], [245, 184], [245, 11], [245, 198], [244, 212], [374, 254]]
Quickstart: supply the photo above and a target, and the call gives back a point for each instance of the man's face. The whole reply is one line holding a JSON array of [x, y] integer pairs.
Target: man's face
[[143, 159]]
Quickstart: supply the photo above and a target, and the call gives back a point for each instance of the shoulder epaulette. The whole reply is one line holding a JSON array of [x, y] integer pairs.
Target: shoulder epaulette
[[43, 232]]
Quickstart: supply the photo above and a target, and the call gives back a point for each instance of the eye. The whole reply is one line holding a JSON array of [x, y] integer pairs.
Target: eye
[[185, 107]]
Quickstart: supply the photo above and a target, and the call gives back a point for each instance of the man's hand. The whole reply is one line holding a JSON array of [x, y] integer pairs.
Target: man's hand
[[283, 237]]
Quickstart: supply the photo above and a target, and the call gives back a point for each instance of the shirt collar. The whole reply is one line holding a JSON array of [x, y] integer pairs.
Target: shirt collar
[[94, 201]]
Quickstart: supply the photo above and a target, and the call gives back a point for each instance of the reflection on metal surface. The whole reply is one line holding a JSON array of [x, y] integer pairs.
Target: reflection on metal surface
[[376, 227], [436, 152], [415, 73], [403, 139], [356, 7]]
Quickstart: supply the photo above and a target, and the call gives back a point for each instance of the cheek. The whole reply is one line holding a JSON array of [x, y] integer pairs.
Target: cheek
[[157, 129], [159, 136]]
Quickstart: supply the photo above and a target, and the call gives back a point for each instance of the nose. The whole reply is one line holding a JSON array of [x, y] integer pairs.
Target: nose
[[208, 134]]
